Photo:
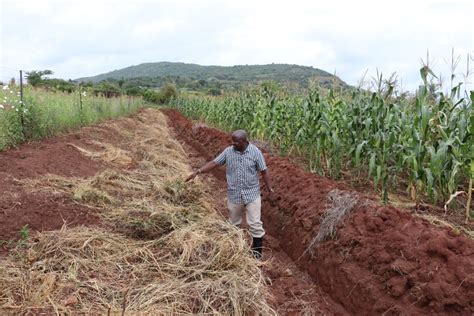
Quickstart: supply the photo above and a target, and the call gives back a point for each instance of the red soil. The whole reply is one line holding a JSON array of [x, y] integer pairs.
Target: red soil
[[383, 259], [41, 211]]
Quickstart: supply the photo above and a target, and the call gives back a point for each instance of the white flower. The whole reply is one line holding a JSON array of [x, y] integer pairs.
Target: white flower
[[84, 94], [11, 91], [5, 87], [1, 106]]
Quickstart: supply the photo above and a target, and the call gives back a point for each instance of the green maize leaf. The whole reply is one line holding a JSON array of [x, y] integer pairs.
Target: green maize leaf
[[451, 182], [379, 174], [415, 167], [472, 125], [429, 178], [358, 151]]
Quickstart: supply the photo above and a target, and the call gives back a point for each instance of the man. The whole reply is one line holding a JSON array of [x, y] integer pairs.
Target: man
[[244, 163]]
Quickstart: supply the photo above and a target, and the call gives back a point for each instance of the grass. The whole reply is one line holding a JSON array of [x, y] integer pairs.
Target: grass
[[45, 113]]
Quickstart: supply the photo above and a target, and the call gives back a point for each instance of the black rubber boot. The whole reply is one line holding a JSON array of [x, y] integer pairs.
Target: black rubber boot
[[257, 247]]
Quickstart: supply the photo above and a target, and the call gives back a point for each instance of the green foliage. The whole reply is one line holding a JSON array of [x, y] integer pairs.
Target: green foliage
[[11, 131], [35, 77], [54, 105], [423, 143], [59, 85], [24, 233], [168, 92], [134, 91], [164, 95], [270, 86], [46, 113], [11, 111], [214, 91], [152, 96], [106, 89]]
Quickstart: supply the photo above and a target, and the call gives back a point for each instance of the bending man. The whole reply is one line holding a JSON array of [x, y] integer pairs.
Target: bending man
[[244, 162]]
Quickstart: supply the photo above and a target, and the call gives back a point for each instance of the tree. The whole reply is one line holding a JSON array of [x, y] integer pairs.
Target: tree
[[121, 82], [152, 96], [35, 77], [134, 91], [168, 91], [106, 89]]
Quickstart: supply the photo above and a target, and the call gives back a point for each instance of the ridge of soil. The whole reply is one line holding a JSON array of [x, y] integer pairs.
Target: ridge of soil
[[383, 259]]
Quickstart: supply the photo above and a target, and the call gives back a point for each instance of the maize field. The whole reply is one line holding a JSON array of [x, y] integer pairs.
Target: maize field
[[422, 144]]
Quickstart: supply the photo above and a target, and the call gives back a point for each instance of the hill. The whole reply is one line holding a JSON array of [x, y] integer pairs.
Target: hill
[[195, 76]]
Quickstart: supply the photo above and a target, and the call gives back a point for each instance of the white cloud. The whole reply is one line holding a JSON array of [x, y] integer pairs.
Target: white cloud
[[89, 37]]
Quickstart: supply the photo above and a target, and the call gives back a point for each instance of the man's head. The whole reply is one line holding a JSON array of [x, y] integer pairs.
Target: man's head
[[239, 140]]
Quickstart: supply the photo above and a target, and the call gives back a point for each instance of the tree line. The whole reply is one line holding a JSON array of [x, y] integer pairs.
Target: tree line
[[108, 89]]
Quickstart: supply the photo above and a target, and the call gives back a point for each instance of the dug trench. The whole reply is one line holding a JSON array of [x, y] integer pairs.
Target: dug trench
[[369, 258]]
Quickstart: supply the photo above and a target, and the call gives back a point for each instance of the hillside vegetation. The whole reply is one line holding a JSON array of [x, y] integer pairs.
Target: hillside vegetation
[[197, 77]]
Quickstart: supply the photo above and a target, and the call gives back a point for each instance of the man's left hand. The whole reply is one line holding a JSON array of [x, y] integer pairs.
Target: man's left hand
[[272, 197]]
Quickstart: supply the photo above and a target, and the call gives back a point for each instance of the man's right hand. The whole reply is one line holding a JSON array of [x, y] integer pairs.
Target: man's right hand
[[192, 176], [206, 168]]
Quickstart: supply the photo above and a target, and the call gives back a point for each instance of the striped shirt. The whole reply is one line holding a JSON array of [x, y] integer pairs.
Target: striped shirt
[[242, 173]]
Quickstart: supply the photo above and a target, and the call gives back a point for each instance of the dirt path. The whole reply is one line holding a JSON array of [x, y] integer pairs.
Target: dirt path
[[382, 260]]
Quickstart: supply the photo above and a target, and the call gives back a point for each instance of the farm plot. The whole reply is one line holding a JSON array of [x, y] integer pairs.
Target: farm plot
[[107, 225], [100, 221]]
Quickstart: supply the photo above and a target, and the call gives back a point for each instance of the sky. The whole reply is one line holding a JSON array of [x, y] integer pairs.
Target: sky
[[349, 38]]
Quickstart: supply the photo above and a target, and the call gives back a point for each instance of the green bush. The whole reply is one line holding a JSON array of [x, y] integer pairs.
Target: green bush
[[166, 93]]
